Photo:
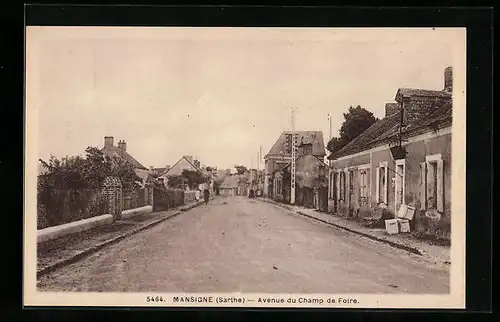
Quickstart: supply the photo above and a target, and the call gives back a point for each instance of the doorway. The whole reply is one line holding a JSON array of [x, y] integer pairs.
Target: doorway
[[334, 191], [351, 193]]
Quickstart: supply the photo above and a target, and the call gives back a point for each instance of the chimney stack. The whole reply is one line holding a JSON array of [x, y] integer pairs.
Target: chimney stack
[[391, 108], [448, 79], [122, 145], [108, 142]]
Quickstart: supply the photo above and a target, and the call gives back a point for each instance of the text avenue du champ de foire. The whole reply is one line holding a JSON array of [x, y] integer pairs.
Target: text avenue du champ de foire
[[297, 300]]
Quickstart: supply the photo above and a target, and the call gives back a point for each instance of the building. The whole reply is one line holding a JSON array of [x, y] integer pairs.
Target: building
[[229, 187], [402, 159], [185, 163], [156, 172], [311, 182], [280, 155], [119, 152]]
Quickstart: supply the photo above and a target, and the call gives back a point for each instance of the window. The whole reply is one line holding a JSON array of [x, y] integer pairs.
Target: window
[[288, 144], [342, 185], [331, 184], [307, 149], [432, 185], [363, 184], [381, 183], [400, 184]]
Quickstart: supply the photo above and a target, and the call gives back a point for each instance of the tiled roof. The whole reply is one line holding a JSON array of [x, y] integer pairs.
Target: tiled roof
[[125, 156], [361, 141], [389, 126], [191, 163], [442, 115], [313, 157], [313, 137], [409, 92], [142, 174], [159, 170]]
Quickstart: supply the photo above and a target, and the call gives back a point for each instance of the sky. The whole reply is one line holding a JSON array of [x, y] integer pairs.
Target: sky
[[217, 94]]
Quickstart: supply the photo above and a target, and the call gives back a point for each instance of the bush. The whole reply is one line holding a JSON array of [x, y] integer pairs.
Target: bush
[[164, 199], [57, 206]]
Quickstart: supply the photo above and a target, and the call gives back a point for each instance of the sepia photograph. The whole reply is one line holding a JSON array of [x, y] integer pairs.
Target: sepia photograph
[[245, 167]]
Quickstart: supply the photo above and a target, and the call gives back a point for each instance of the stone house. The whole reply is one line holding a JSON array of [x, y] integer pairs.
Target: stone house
[[156, 172], [311, 178], [280, 155], [402, 159], [120, 152], [184, 163]]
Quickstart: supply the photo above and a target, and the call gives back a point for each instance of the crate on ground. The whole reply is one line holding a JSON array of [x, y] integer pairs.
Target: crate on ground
[[391, 226]]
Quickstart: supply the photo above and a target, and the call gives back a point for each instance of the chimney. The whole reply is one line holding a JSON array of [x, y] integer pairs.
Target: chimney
[[167, 167], [122, 145], [108, 142], [197, 163], [448, 79], [391, 108]]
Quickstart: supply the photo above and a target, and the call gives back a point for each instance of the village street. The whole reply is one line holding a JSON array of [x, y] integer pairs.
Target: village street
[[237, 244]]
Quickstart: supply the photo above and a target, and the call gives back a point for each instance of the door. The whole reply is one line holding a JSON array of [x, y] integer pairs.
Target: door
[[335, 193], [351, 192]]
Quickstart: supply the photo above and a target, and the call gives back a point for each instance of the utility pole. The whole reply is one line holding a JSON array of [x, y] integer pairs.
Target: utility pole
[[251, 173], [263, 172], [257, 172], [294, 146]]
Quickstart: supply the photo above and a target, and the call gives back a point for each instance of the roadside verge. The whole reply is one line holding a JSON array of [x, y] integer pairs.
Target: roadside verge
[[58, 252], [419, 248]]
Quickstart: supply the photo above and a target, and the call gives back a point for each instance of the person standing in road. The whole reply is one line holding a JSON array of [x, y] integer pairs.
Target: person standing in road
[[197, 195], [206, 195]]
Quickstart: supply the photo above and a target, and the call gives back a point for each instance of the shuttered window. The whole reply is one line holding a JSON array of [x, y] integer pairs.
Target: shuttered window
[[432, 183], [363, 184]]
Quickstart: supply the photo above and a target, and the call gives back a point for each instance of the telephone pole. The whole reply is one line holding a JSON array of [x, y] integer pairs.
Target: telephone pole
[[251, 173], [294, 146]]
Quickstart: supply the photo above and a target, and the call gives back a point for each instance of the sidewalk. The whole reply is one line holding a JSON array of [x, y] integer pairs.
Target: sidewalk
[[439, 254], [64, 250]]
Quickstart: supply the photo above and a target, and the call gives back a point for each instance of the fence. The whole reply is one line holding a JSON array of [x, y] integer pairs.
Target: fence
[[57, 206], [61, 206], [134, 198], [167, 198]]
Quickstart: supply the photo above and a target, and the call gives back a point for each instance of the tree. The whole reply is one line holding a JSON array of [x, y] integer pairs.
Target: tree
[[356, 121], [193, 178], [240, 169], [175, 181], [89, 172]]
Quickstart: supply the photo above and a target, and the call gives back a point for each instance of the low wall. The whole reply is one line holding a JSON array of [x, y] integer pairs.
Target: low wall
[[136, 211], [73, 227], [189, 196]]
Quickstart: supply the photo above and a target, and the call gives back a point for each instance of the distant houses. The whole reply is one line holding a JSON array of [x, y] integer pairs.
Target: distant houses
[[229, 187]]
